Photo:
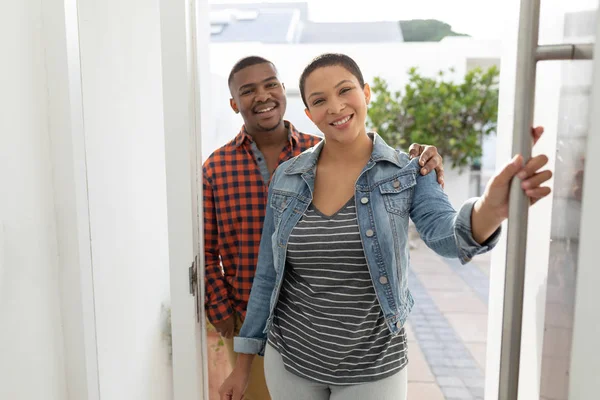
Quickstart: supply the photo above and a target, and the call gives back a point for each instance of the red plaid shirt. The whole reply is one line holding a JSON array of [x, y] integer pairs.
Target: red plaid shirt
[[235, 199]]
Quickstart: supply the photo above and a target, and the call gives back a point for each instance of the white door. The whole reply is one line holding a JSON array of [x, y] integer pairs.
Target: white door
[[543, 341], [184, 34]]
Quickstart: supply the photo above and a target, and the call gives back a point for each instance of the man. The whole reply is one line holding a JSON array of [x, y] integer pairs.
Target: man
[[235, 184]]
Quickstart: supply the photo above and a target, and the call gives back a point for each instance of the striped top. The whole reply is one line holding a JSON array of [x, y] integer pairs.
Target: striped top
[[328, 325]]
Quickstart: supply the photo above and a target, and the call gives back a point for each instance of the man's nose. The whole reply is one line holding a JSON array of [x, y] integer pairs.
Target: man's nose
[[262, 96]]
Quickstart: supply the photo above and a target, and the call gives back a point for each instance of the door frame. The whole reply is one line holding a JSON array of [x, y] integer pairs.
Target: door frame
[[183, 36]]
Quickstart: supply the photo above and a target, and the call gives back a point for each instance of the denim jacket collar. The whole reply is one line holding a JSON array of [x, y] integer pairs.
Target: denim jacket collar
[[381, 152]]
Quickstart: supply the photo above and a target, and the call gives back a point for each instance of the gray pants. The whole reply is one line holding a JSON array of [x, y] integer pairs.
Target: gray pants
[[284, 385]]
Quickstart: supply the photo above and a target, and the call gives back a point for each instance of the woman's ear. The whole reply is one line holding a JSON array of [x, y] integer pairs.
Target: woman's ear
[[367, 91]]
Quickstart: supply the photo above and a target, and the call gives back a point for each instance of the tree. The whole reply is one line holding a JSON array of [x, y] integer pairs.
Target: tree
[[452, 116], [426, 30]]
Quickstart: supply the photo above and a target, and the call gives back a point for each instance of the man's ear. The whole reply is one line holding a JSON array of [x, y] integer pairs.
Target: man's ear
[[234, 106], [308, 114], [367, 91]]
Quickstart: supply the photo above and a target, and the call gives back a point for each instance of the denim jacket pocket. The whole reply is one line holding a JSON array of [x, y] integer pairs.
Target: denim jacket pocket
[[397, 193], [279, 202]]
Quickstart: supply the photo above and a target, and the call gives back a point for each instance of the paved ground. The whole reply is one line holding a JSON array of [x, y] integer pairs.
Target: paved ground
[[446, 331]]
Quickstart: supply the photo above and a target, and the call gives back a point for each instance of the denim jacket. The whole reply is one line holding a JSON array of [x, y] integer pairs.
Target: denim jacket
[[389, 190]]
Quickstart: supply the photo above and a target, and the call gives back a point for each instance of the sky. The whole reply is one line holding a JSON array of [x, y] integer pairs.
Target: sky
[[482, 19]]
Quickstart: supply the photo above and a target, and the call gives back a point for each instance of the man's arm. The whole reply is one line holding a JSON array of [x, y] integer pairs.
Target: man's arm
[[218, 306]]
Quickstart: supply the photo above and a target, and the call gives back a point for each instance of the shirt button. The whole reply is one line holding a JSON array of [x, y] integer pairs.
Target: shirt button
[[383, 280], [396, 184], [364, 200], [370, 233]]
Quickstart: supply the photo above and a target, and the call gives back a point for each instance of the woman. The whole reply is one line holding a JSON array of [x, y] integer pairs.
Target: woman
[[330, 297]]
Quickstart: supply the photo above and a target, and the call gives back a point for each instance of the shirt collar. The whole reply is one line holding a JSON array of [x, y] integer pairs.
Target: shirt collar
[[243, 136]]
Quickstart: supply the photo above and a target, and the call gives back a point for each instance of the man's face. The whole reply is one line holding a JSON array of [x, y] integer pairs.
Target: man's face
[[259, 96]]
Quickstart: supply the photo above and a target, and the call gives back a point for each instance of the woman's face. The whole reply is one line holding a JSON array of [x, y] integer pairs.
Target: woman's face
[[337, 103]]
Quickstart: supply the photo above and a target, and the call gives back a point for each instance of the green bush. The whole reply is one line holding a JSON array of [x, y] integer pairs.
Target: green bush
[[454, 117]]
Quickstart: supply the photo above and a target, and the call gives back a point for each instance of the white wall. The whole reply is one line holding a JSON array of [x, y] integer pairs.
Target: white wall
[[65, 123], [457, 186], [123, 117], [31, 341]]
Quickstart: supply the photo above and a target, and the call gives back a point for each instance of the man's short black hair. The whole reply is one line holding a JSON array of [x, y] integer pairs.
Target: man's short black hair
[[245, 63], [330, 60]]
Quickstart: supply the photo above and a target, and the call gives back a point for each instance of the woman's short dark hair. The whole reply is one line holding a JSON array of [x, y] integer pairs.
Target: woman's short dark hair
[[330, 60]]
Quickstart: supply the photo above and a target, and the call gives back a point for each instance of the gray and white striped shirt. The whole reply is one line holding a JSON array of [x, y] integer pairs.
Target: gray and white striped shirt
[[328, 326]]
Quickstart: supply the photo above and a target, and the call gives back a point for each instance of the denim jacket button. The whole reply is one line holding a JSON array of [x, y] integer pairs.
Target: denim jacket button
[[383, 280], [364, 200], [370, 233], [398, 325], [396, 184]]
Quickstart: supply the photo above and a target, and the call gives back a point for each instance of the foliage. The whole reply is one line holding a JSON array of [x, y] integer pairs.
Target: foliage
[[426, 30], [451, 116]]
